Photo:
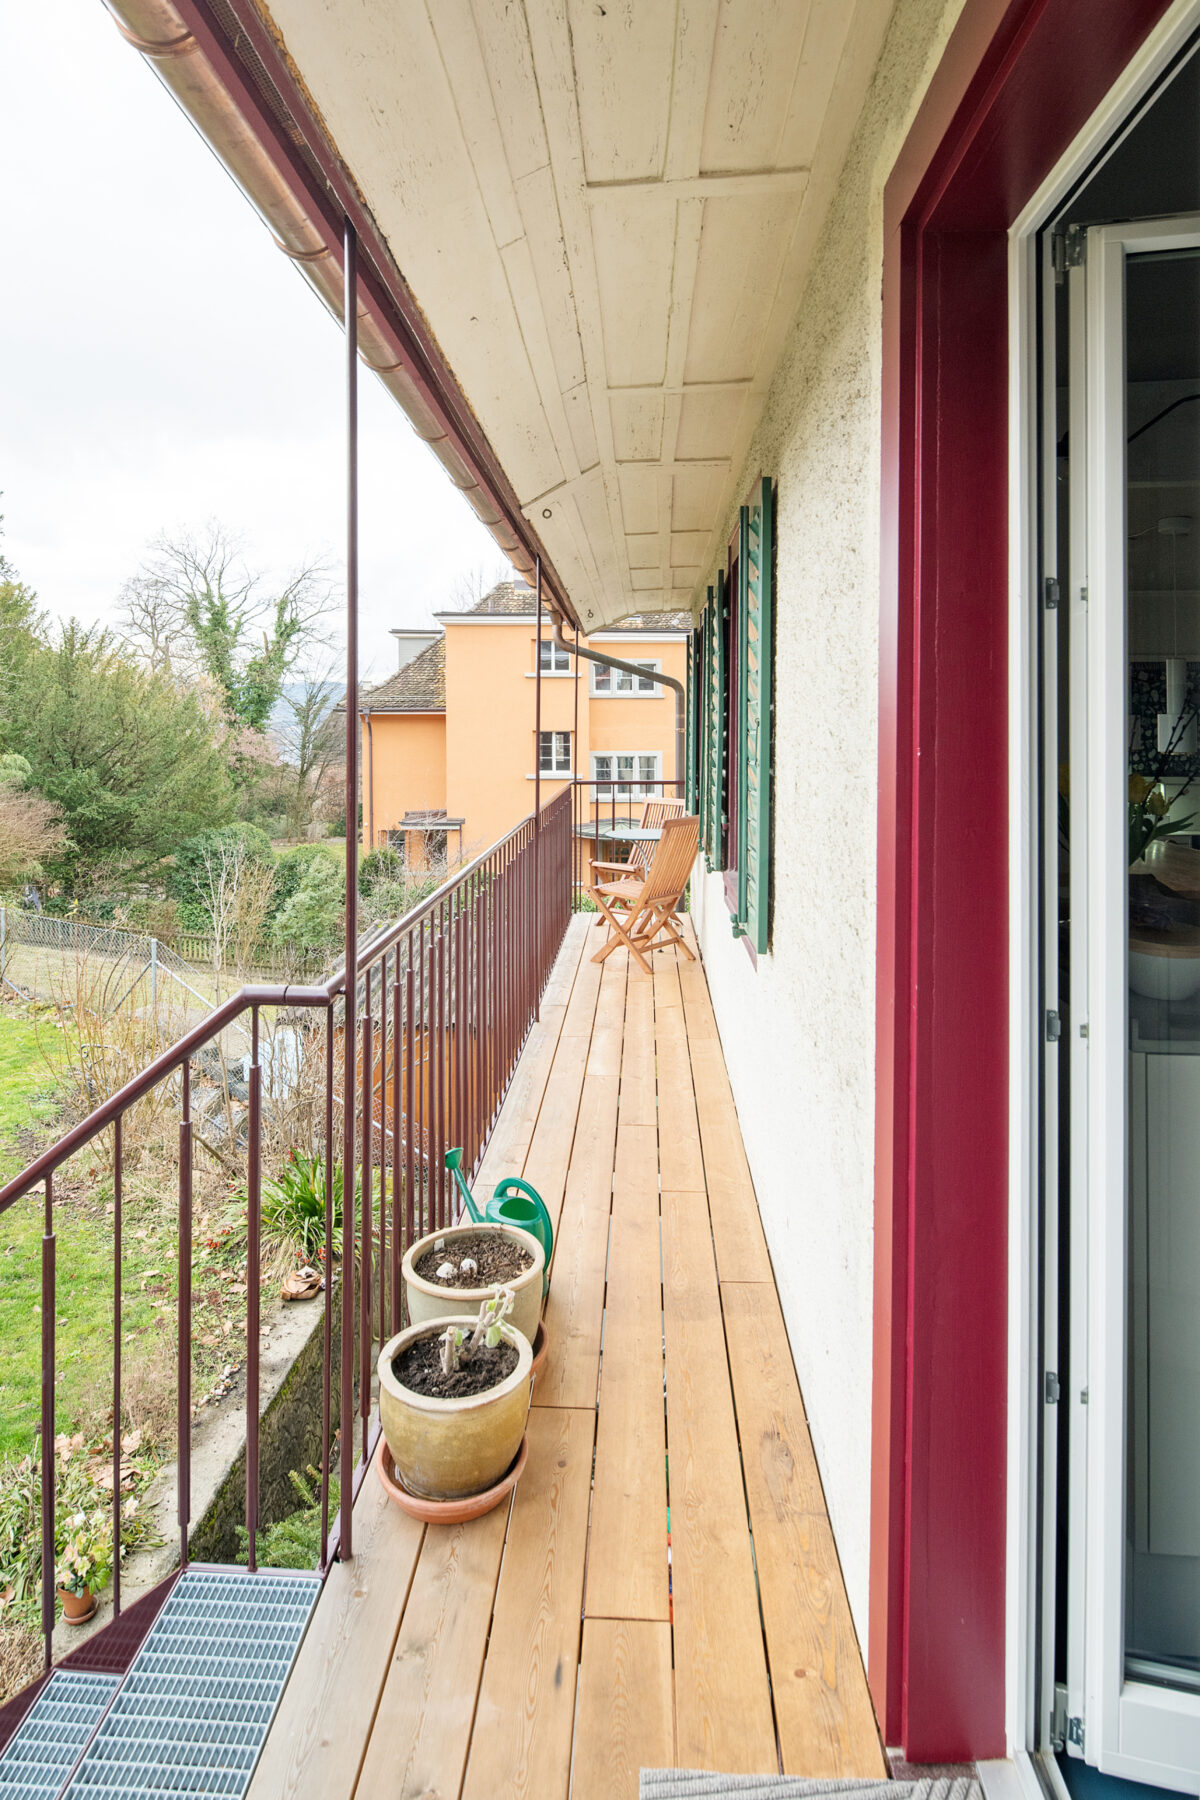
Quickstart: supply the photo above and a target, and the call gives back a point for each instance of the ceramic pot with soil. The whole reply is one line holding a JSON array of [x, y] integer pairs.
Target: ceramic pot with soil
[[504, 1257], [451, 1436], [77, 1608]]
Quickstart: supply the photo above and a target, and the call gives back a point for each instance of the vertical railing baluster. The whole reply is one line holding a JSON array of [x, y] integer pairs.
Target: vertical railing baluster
[[48, 1376], [411, 1159], [383, 1145], [398, 1124], [118, 1186], [253, 1287], [350, 319], [367, 1215], [327, 1320], [421, 1051], [184, 1285], [441, 1110]]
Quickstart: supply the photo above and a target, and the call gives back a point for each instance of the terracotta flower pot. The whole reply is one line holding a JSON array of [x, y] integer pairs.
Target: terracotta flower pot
[[444, 1449], [77, 1608], [430, 1300]]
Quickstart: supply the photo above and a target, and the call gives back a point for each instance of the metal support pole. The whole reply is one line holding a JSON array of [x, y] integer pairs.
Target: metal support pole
[[576, 847], [3, 942], [346, 1421], [537, 786]]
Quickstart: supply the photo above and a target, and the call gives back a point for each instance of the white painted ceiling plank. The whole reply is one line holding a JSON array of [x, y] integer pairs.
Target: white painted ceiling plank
[[466, 76], [622, 55], [695, 36], [527, 301], [758, 46]]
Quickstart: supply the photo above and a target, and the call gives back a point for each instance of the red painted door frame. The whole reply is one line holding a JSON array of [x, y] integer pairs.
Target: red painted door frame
[[1019, 78]]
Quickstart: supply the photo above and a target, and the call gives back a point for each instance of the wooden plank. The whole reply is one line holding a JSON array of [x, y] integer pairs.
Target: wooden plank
[[681, 1163], [521, 1744], [418, 1747], [627, 1549], [736, 1225], [822, 1704], [508, 1146], [575, 1307], [582, 1005], [723, 1716], [316, 1742], [550, 1148], [639, 1103], [626, 1715]]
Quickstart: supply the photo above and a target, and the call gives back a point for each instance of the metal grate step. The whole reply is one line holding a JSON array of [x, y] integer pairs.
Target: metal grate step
[[194, 1709], [38, 1757], [190, 1716]]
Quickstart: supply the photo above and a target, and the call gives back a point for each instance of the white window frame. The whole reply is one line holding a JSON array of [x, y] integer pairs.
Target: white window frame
[[557, 662], [557, 740], [1023, 1702], [639, 785], [640, 688]]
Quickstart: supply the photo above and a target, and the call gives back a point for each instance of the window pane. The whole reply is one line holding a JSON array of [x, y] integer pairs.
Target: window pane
[[601, 679]]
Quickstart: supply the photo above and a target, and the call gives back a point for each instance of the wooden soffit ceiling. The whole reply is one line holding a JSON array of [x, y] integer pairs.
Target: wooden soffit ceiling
[[605, 209]]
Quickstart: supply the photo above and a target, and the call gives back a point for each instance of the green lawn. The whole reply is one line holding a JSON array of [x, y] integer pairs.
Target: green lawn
[[84, 1257]]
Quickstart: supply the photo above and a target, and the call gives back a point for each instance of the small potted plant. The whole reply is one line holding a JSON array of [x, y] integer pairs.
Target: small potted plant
[[84, 1566], [451, 1271], [453, 1399]]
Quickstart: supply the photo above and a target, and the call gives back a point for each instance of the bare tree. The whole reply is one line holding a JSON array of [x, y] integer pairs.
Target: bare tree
[[197, 608], [233, 892], [31, 829], [474, 583], [311, 740]]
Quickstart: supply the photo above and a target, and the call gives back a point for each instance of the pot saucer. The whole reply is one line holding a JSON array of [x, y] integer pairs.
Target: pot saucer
[[447, 1512], [539, 1346]]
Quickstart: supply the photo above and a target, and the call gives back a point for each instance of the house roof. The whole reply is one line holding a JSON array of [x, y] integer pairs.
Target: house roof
[[420, 686]]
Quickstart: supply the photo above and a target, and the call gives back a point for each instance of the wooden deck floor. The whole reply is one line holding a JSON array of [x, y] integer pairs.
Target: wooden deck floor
[[555, 1648]]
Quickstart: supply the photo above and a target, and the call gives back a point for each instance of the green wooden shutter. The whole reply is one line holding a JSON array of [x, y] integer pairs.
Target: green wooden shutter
[[757, 702], [703, 698], [689, 789], [742, 724], [716, 730]]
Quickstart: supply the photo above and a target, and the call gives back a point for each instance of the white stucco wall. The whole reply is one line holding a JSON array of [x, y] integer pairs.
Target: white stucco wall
[[798, 1032]]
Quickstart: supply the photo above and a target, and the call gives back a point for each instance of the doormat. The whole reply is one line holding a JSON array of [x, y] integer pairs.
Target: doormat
[[693, 1784]]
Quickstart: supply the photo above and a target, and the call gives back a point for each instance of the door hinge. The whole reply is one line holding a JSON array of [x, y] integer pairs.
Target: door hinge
[[1058, 1718], [1051, 592], [1053, 1388], [1053, 1027], [1058, 256], [1083, 596], [1075, 1733], [1076, 246]]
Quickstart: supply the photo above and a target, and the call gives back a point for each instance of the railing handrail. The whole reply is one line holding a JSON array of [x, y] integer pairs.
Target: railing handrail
[[244, 1000]]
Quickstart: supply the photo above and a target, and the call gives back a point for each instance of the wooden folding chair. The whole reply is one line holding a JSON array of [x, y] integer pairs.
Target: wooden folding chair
[[641, 910], [655, 814]]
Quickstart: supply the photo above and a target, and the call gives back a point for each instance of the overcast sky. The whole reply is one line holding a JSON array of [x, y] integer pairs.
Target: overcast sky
[[163, 364]]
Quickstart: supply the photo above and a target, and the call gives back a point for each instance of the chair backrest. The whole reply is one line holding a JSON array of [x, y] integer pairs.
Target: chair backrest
[[655, 814], [672, 862]]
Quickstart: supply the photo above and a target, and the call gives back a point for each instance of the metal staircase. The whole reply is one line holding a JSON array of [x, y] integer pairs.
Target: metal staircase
[[193, 1710]]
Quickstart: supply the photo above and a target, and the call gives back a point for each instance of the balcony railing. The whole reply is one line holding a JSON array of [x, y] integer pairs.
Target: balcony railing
[[444, 1000]]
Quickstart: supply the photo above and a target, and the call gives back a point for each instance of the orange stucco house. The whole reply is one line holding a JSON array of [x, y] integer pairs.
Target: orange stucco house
[[450, 743]]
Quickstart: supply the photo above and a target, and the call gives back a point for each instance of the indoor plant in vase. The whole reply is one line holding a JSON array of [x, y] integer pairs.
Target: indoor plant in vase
[[453, 1400], [84, 1565]]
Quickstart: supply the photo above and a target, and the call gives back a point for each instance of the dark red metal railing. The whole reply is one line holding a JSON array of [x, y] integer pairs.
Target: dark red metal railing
[[444, 999]]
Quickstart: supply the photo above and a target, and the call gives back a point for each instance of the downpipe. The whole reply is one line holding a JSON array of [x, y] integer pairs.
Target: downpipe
[[614, 662]]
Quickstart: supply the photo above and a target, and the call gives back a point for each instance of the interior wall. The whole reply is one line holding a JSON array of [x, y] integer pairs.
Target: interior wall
[[798, 1030]]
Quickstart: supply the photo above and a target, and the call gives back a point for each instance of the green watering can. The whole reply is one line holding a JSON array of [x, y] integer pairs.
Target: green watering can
[[514, 1202]]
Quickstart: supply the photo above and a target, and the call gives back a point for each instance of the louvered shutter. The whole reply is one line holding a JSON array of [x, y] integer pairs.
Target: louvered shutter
[[703, 697], [716, 730], [689, 773], [756, 571]]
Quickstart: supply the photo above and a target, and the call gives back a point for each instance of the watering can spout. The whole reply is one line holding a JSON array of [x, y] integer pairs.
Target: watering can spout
[[514, 1202], [454, 1164]]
